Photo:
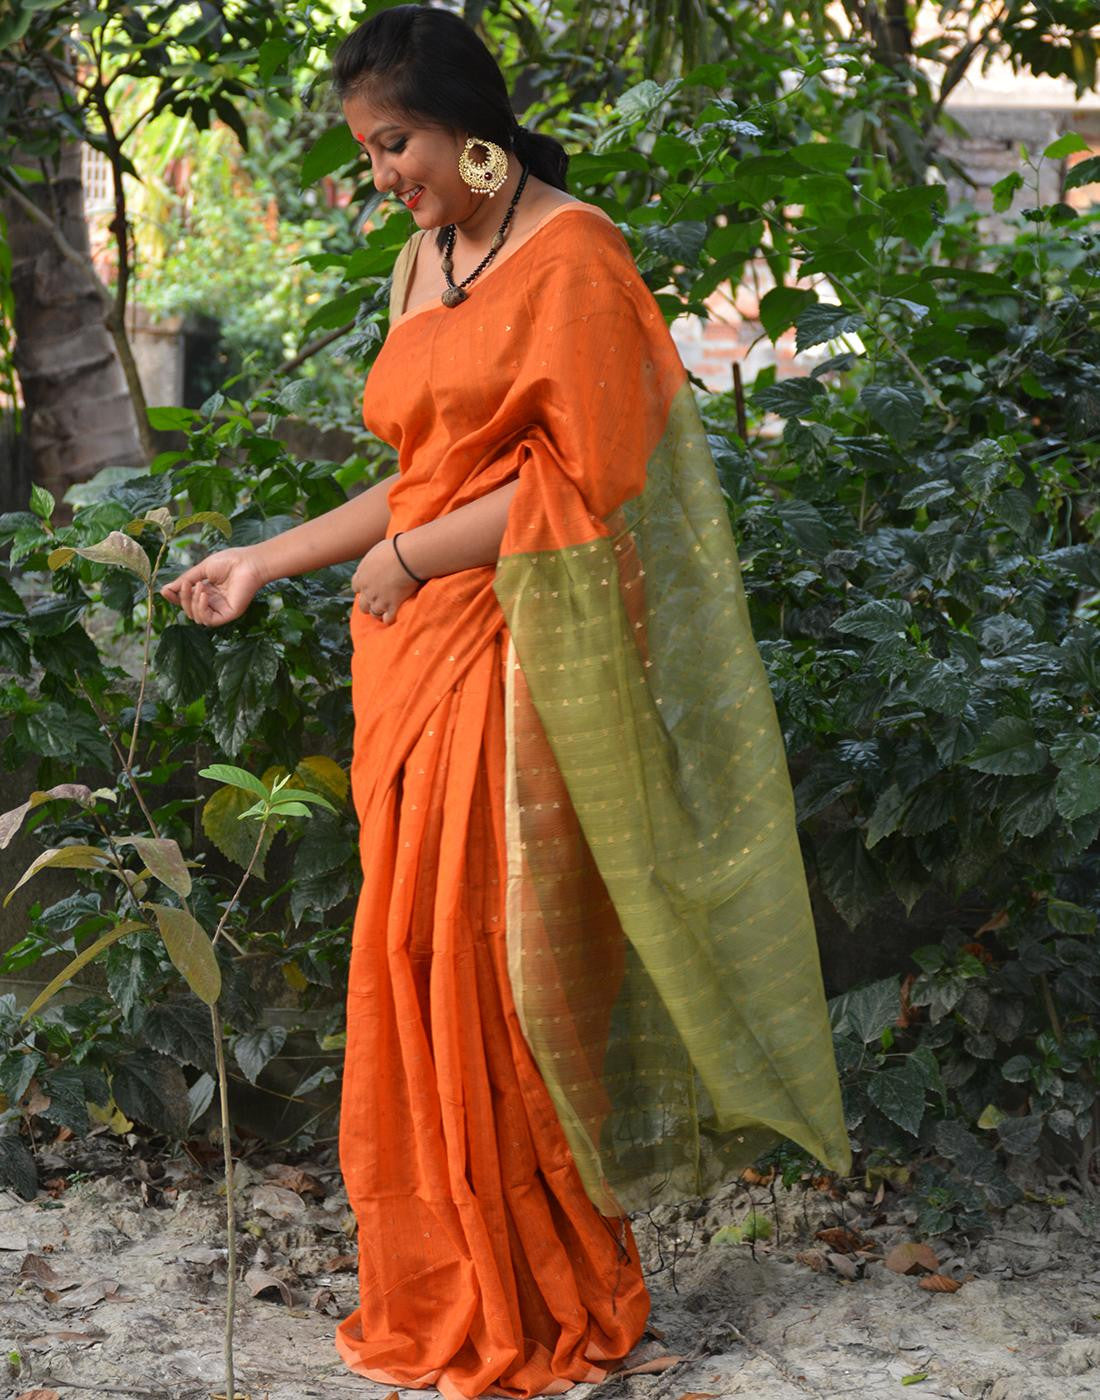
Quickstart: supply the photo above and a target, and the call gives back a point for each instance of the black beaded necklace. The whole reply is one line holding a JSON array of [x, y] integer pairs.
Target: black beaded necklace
[[455, 293]]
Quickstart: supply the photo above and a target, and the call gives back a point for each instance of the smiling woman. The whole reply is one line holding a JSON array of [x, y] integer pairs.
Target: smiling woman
[[584, 976]]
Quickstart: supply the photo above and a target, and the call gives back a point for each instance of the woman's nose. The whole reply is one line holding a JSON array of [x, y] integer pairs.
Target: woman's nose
[[384, 176]]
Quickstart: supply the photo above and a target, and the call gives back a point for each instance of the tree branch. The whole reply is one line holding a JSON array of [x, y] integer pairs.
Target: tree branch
[[318, 345]]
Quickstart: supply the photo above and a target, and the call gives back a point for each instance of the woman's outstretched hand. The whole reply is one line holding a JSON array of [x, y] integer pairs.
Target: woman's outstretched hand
[[218, 588], [380, 583]]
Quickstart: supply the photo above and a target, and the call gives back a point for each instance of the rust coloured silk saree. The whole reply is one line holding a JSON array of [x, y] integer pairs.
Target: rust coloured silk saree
[[584, 974]]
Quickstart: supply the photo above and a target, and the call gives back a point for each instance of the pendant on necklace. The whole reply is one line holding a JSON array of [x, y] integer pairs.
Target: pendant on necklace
[[453, 295]]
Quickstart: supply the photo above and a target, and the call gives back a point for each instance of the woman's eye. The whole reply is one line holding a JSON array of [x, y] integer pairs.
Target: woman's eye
[[396, 150]]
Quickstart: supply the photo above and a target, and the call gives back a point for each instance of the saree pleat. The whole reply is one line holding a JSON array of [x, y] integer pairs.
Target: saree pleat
[[484, 1266]]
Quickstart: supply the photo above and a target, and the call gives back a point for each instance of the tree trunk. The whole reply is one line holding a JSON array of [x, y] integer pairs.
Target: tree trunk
[[80, 415]]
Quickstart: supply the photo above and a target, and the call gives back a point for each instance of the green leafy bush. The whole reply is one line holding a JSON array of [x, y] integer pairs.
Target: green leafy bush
[[270, 689]]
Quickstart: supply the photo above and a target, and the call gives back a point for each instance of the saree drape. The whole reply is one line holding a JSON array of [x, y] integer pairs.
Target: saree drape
[[584, 973]]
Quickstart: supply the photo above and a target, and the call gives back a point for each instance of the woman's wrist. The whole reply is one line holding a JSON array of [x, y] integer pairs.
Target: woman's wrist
[[407, 561], [261, 562]]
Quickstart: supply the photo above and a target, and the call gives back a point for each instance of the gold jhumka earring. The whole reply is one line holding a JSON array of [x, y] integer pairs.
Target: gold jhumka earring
[[487, 176]]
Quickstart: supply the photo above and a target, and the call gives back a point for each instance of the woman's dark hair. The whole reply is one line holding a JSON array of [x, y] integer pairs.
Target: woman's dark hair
[[418, 61]]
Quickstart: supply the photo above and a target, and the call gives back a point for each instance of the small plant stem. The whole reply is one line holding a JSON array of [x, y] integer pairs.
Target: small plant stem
[[227, 1147], [134, 788], [230, 1206], [236, 893], [1052, 1010], [144, 662]]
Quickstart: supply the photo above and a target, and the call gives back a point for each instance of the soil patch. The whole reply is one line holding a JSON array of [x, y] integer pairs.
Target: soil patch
[[112, 1283]]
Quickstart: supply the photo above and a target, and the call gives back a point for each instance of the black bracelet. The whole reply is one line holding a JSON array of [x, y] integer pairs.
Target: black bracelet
[[415, 577]]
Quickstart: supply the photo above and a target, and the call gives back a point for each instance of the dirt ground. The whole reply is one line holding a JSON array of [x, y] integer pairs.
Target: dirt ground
[[113, 1285]]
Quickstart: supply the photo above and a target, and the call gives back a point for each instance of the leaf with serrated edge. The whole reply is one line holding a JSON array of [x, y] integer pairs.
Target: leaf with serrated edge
[[151, 1089], [84, 957], [253, 1049], [191, 951], [164, 858], [75, 857], [325, 773], [899, 1094], [221, 823]]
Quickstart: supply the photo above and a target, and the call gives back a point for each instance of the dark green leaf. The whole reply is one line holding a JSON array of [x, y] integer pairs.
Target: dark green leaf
[[792, 398], [1010, 747], [896, 408], [885, 815], [331, 151], [245, 673], [926, 493], [899, 1092], [1077, 790], [151, 1089], [878, 621], [780, 307], [254, 1049], [823, 321], [850, 876], [1020, 1136], [181, 1029], [184, 663], [132, 971], [17, 1169], [867, 1011]]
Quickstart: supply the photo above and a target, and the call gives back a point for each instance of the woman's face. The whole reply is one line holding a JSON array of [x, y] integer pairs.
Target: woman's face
[[407, 157]]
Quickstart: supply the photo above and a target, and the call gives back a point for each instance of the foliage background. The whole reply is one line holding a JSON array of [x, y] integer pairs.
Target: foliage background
[[917, 524]]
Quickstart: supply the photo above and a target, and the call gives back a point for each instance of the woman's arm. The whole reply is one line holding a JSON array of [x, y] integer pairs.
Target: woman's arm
[[343, 533], [461, 539], [218, 588]]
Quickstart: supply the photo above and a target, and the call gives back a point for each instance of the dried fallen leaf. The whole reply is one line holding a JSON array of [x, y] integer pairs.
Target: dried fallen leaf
[[652, 1367], [39, 1270], [700, 1395], [89, 1294], [341, 1263], [36, 1101], [39, 1395], [939, 1283], [277, 1202], [844, 1264], [911, 1257], [813, 1259], [843, 1240], [260, 1282], [754, 1178], [324, 1301], [294, 1179]]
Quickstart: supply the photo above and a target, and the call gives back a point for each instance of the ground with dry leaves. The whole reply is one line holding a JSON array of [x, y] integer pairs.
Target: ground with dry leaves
[[112, 1284]]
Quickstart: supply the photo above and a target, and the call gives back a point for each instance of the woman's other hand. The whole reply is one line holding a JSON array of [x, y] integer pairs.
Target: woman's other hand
[[218, 588], [380, 583]]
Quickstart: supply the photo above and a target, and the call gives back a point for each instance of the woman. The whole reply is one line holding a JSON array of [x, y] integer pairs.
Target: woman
[[584, 974]]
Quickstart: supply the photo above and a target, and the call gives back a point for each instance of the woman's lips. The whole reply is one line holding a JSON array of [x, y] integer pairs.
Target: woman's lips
[[412, 201]]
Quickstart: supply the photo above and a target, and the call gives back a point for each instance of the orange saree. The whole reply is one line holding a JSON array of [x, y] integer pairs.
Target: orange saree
[[484, 1266], [584, 975]]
